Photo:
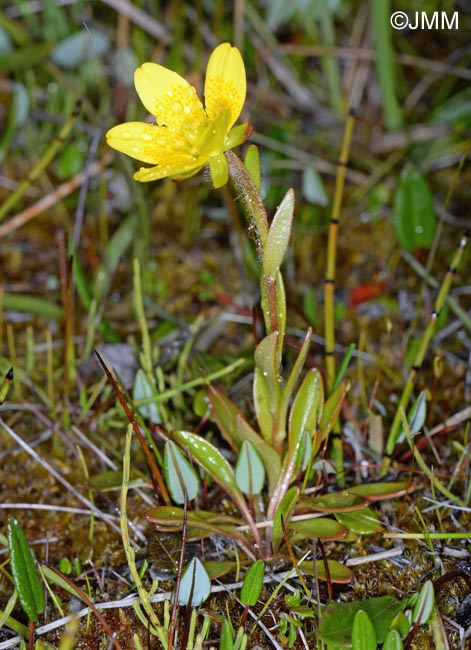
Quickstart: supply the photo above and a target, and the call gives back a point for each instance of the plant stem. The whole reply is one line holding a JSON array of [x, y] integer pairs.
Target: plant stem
[[425, 340], [329, 283]]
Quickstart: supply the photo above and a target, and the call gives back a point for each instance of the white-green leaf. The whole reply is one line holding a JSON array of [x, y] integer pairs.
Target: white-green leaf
[[195, 585], [313, 188], [249, 471], [180, 476], [424, 605], [79, 48], [143, 389], [278, 236]]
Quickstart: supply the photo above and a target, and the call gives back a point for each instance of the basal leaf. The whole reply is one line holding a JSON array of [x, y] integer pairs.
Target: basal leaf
[[195, 585], [24, 571], [413, 212], [253, 583], [180, 476]]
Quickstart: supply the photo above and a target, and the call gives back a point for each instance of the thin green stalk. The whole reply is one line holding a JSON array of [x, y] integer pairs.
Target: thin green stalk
[[328, 62], [146, 356], [329, 283], [381, 15], [42, 164], [424, 343], [154, 623]]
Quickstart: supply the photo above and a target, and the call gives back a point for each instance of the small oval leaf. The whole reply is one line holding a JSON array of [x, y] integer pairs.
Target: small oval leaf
[[180, 476], [195, 585], [413, 212], [80, 47], [249, 471], [363, 632]]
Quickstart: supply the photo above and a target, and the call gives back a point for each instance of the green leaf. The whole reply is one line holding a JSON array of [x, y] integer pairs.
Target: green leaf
[[284, 511], [363, 632], [226, 642], [80, 47], [376, 491], [416, 416], [252, 164], [337, 618], [313, 188], [424, 605], [24, 58], [337, 572], [307, 406], [214, 463], [266, 385], [195, 585], [393, 641], [253, 583], [249, 471], [143, 389], [413, 211], [344, 501], [319, 528], [235, 429], [362, 522], [279, 234], [24, 571], [332, 409], [180, 476], [400, 624]]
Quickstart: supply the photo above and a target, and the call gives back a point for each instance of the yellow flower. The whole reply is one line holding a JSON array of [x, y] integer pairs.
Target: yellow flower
[[186, 135]]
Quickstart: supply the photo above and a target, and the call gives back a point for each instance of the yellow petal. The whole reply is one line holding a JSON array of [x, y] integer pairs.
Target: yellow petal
[[225, 85], [146, 142], [168, 96], [174, 171]]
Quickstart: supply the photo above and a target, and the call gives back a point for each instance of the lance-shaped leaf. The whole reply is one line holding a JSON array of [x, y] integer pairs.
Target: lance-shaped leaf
[[214, 463], [283, 512], [266, 385], [332, 409], [413, 212], [344, 501], [180, 476], [321, 528], [362, 522], [278, 236], [200, 523], [377, 491], [393, 641], [415, 417], [336, 571], [25, 574], [307, 406], [253, 583], [424, 604], [249, 471], [235, 429], [294, 376]]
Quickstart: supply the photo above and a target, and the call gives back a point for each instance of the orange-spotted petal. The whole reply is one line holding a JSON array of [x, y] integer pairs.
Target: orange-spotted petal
[[146, 142], [168, 96], [225, 85]]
